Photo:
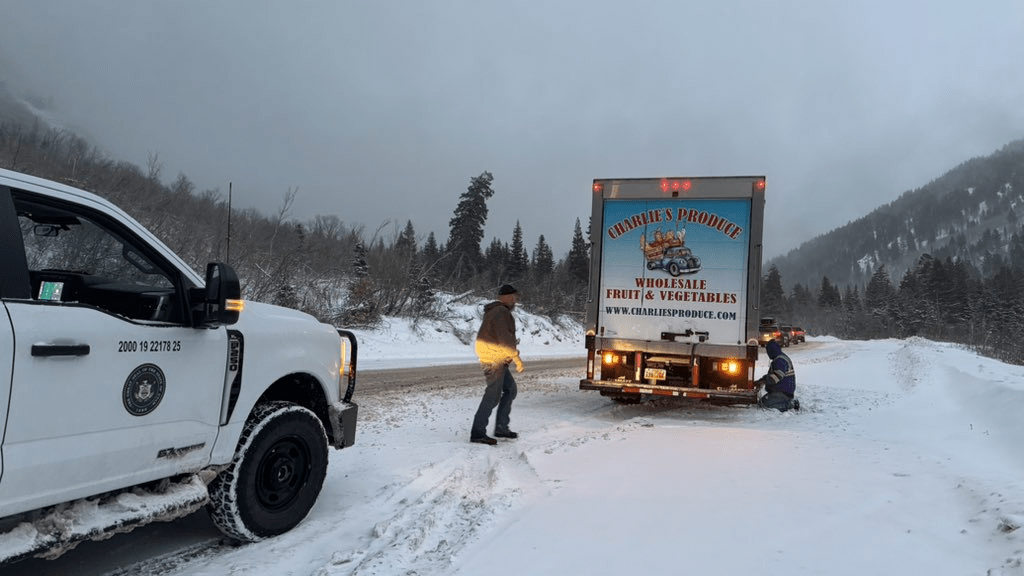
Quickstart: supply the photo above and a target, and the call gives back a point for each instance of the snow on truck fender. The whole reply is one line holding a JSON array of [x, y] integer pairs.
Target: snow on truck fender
[[673, 300], [128, 383]]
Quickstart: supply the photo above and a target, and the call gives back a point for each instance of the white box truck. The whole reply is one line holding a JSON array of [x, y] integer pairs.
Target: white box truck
[[132, 389], [674, 280]]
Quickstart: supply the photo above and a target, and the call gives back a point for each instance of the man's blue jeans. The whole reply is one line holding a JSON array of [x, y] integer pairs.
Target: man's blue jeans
[[501, 391], [776, 400]]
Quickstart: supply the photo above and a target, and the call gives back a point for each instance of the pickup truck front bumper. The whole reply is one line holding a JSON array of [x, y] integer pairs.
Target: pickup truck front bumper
[[344, 412], [343, 423]]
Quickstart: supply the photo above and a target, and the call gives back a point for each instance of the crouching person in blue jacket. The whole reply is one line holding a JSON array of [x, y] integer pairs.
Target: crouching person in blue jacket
[[780, 381]]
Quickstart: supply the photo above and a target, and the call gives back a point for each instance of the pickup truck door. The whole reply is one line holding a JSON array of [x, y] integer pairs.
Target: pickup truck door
[[6, 367], [111, 385]]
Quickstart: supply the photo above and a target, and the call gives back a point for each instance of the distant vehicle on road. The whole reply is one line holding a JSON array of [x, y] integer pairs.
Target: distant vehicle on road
[[768, 332]]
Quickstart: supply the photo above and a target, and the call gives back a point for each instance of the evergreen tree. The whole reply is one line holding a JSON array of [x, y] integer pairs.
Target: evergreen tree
[[851, 299], [579, 256], [1017, 253], [853, 325], [915, 306], [828, 298], [543, 260], [1002, 315], [801, 306], [879, 293], [361, 305], [467, 227], [954, 295], [429, 257], [360, 267], [405, 246], [773, 298], [878, 302], [424, 300], [801, 299], [496, 259], [518, 258]]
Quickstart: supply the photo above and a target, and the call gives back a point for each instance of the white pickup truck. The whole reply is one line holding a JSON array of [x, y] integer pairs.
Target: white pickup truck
[[132, 389]]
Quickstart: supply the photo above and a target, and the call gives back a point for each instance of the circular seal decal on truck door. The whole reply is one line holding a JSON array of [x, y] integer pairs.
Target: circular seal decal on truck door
[[144, 389]]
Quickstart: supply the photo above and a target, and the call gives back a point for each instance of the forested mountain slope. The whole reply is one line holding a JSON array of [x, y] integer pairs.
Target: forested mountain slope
[[970, 213]]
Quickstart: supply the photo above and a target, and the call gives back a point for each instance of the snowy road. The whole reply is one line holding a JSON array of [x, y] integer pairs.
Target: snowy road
[[906, 459]]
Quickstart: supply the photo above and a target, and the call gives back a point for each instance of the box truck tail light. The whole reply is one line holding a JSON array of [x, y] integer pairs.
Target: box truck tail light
[[610, 358], [728, 366], [598, 187], [759, 185], [675, 185]]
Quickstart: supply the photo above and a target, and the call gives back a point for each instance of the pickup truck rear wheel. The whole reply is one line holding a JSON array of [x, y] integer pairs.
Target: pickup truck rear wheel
[[276, 474]]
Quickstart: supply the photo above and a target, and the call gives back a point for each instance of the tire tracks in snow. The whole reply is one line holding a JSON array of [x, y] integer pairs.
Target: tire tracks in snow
[[461, 496]]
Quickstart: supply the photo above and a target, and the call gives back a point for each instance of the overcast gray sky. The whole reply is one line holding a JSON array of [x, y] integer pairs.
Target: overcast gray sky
[[381, 111]]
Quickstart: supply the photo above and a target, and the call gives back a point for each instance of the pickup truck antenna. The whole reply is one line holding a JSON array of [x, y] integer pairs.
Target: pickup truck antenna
[[227, 259]]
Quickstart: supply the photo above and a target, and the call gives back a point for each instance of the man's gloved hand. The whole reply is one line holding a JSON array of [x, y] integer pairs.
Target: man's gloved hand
[[519, 364]]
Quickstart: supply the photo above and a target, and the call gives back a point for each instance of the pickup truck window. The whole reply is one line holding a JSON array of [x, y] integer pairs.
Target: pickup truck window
[[73, 257]]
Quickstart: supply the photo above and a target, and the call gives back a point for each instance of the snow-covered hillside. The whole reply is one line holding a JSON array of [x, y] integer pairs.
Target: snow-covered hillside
[[401, 342]]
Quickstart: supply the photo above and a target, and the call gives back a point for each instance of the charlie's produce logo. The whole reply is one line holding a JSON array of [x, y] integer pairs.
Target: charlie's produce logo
[[672, 239], [667, 250]]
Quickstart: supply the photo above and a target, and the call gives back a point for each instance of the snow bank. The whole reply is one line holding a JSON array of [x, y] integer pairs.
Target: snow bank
[[402, 342]]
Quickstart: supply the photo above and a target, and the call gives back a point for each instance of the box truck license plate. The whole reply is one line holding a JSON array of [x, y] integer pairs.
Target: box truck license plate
[[655, 374]]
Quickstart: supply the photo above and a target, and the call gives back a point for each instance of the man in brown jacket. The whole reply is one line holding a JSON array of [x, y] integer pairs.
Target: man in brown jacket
[[496, 346]]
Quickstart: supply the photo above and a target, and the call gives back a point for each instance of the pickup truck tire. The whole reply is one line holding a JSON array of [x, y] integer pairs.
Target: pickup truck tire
[[276, 474]]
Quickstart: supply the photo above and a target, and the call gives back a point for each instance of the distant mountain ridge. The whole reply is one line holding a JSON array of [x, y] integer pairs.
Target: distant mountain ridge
[[969, 213]]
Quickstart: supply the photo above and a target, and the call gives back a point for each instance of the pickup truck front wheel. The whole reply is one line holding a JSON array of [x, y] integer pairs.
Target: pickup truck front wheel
[[276, 474]]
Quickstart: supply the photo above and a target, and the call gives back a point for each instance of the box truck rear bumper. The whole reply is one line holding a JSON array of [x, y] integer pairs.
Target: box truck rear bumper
[[616, 388]]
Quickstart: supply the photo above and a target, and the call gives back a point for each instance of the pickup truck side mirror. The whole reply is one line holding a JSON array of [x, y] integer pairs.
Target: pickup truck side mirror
[[221, 301]]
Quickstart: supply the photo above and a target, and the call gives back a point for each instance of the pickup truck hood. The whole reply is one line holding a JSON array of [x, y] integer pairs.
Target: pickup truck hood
[[258, 313]]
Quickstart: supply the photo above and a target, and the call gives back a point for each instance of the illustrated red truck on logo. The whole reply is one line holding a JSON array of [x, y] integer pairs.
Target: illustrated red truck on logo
[[668, 252]]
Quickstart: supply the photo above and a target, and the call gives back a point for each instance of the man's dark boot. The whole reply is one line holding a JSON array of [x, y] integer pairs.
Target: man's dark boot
[[484, 440], [505, 434]]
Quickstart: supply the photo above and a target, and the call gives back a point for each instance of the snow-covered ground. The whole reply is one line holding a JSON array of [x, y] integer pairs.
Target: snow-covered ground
[[907, 458]]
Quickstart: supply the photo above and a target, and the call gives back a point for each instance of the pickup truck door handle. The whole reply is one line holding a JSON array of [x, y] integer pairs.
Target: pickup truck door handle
[[60, 349]]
